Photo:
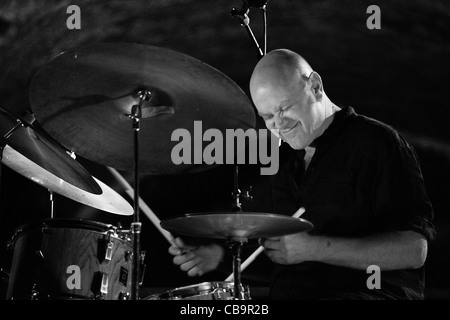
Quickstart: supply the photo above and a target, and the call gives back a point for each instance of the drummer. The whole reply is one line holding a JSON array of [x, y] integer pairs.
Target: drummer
[[360, 183]]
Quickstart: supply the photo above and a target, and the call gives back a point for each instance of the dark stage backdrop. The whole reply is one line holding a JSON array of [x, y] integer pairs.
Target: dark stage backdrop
[[397, 74]]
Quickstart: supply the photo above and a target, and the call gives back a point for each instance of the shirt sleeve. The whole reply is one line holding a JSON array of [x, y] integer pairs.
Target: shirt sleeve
[[398, 195]]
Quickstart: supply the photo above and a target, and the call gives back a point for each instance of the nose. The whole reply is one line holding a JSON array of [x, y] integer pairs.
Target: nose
[[276, 122]]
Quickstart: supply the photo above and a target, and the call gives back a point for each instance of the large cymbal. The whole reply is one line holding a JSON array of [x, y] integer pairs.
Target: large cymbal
[[33, 154], [43, 151], [235, 225], [107, 200], [82, 98]]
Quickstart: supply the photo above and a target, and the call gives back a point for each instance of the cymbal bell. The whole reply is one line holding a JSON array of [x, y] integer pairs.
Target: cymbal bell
[[83, 98], [34, 155], [235, 225]]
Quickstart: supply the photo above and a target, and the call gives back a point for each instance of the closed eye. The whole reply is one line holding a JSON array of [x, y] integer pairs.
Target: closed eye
[[284, 109], [280, 112]]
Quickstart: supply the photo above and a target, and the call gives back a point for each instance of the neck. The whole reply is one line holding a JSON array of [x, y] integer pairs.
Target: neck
[[329, 110]]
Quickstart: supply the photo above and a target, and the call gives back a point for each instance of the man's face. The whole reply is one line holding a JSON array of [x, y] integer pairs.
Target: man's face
[[292, 114]]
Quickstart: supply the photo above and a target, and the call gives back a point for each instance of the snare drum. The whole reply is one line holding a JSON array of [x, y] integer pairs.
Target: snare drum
[[203, 291], [70, 259]]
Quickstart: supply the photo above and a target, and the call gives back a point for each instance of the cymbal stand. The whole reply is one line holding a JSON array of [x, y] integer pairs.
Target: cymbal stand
[[136, 226], [237, 205], [52, 205], [237, 194], [236, 245]]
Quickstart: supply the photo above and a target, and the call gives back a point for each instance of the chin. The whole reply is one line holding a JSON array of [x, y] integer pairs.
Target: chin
[[296, 145]]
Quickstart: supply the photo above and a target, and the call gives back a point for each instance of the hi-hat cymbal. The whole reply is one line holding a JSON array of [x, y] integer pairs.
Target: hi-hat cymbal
[[82, 98], [33, 154], [235, 225]]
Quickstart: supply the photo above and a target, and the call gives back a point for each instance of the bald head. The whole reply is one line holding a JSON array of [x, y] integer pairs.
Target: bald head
[[278, 72], [289, 96]]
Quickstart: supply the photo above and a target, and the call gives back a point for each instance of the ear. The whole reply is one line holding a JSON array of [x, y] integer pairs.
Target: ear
[[316, 85]]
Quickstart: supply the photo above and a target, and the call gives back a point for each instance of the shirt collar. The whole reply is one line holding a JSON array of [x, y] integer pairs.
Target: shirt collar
[[339, 122]]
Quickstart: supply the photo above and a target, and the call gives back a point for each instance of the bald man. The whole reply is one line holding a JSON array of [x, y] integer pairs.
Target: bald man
[[289, 96], [360, 183]]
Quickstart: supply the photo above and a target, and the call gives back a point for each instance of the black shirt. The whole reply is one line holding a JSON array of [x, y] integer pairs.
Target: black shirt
[[363, 179]]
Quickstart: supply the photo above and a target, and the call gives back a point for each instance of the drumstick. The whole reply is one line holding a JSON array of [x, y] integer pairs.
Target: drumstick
[[148, 212], [261, 248]]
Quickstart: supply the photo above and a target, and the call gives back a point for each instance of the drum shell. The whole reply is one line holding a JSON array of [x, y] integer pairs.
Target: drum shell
[[48, 254]]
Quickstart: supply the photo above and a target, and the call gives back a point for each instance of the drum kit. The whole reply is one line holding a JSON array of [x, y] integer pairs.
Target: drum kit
[[117, 104]]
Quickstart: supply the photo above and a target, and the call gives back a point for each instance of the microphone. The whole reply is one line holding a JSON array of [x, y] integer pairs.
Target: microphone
[[242, 14], [247, 4], [256, 3]]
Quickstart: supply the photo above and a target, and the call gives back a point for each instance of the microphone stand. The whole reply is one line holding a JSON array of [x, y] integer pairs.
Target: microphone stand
[[244, 19]]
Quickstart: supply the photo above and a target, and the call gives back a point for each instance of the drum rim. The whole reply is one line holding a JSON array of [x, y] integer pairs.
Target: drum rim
[[209, 285], [66, 223]]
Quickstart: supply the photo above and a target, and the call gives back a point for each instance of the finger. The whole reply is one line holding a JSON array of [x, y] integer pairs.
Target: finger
[[179, 242], [188, 265], [178, 260], [195, 271], [173, 250], [261, 241], [271, 244], [182, 245], [183, 258]]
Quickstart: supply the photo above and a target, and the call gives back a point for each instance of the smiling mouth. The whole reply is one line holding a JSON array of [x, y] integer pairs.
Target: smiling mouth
[[290, 129]]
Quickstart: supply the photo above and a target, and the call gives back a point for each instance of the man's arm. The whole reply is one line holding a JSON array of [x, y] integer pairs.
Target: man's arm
[[389, 251]]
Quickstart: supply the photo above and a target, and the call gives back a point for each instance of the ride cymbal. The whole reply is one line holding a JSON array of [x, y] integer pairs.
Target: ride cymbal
[[83, 98]]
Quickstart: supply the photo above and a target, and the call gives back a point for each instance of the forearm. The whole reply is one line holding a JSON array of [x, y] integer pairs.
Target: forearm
[[389, 251]]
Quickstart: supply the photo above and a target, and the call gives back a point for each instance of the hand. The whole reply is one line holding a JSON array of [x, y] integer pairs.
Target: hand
[[292, 249], [196, 260]]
